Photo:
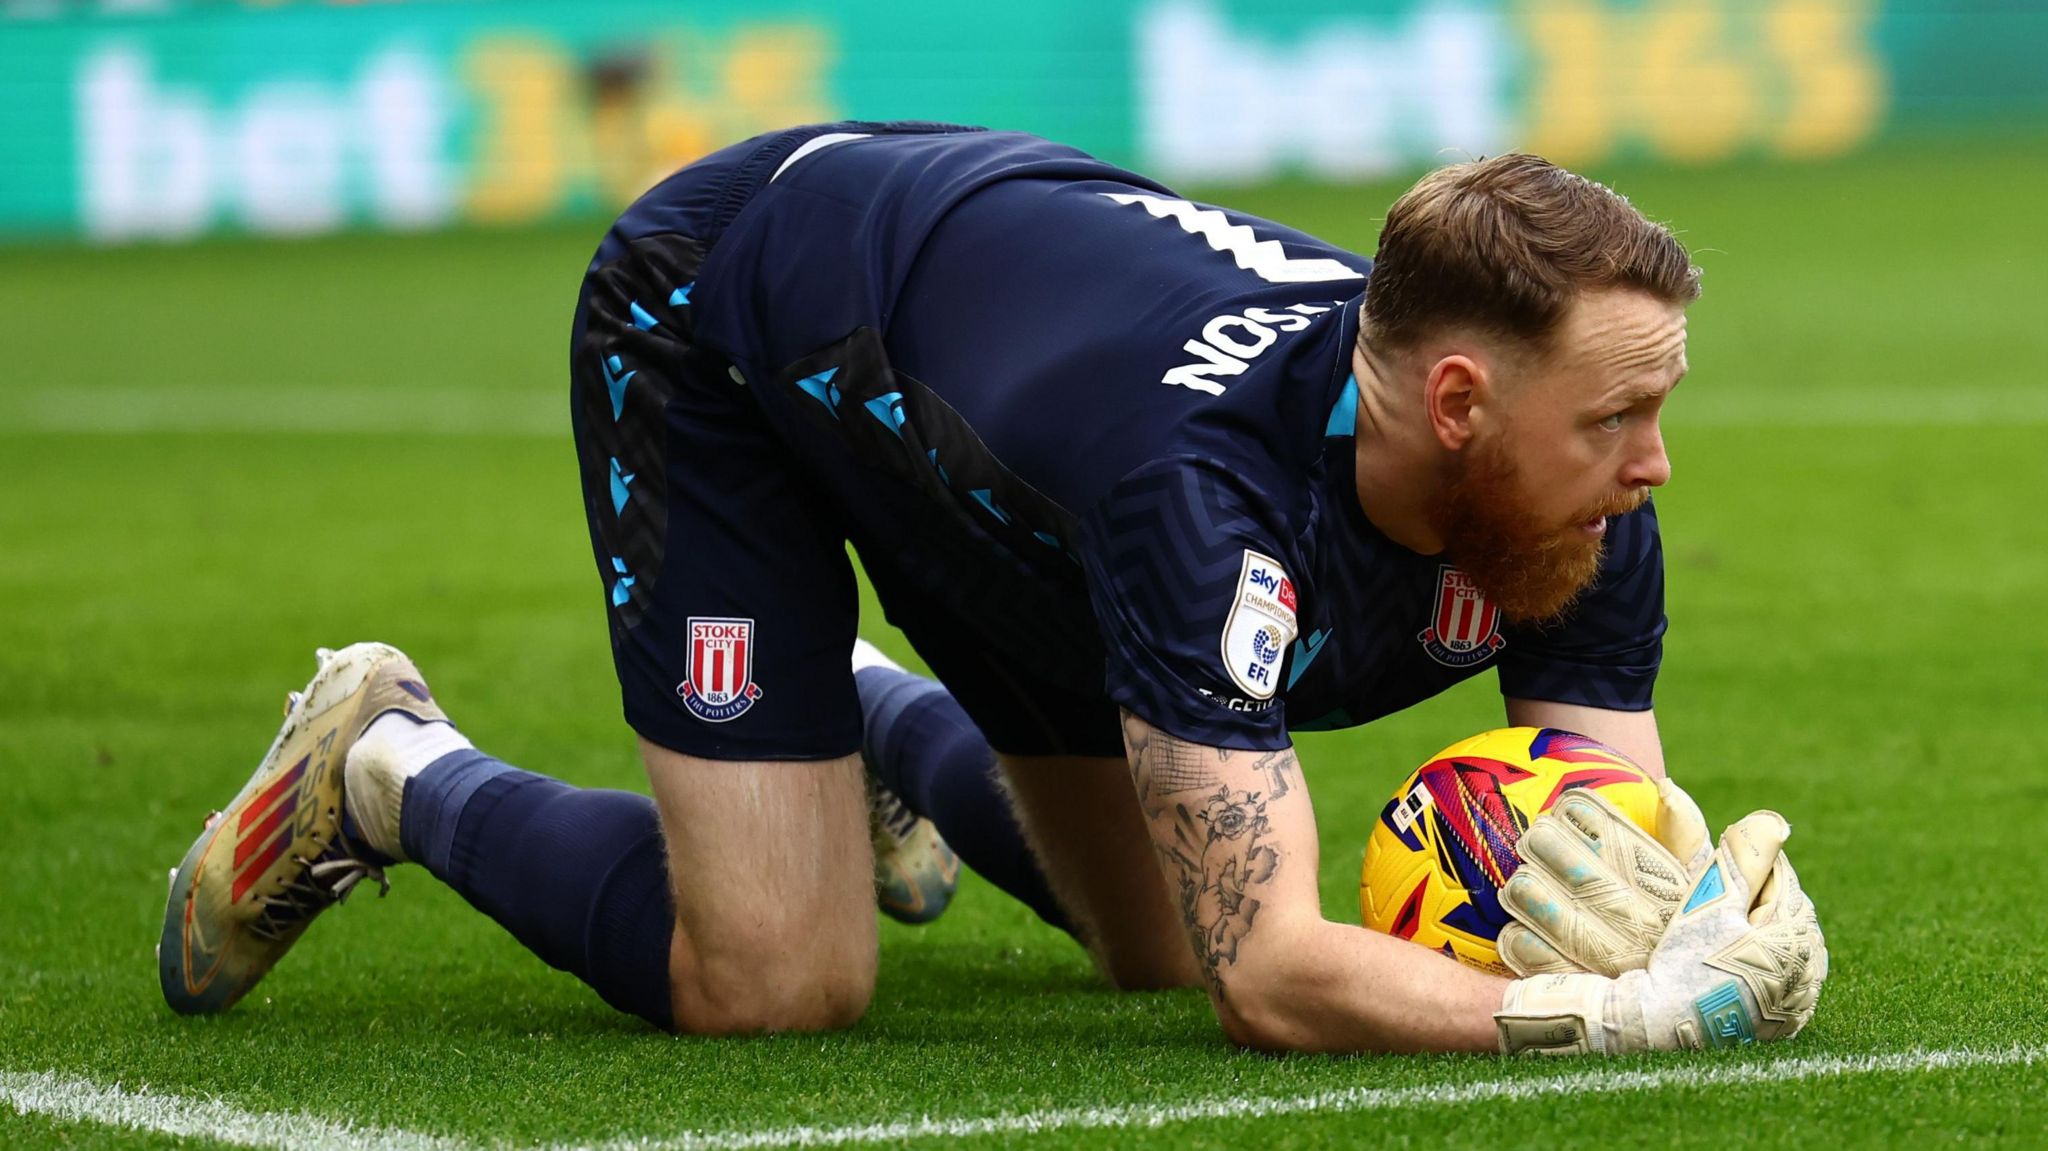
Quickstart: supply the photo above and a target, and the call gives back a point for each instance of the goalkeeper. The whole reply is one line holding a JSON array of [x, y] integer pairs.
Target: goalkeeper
[[1149, 485]]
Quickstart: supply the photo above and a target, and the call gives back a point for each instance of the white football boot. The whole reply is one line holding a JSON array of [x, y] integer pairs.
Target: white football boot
[[915, 872], [276, 856]]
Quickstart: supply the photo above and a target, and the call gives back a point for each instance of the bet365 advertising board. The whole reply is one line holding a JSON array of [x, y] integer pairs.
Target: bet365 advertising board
[[161, 119]]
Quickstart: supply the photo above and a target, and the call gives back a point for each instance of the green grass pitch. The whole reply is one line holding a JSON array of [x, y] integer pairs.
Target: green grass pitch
[[214, 458]]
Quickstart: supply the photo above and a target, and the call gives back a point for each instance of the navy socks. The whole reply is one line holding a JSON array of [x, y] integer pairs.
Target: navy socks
[[581, 876], [922, 746], [578, 876]]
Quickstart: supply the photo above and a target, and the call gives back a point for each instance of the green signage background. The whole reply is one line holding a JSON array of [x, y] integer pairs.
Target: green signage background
[[307, 117]]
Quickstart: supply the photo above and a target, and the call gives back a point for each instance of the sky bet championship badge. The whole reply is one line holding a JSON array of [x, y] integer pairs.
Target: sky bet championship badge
[[1466, 629], [721, 686], [1261, 625]]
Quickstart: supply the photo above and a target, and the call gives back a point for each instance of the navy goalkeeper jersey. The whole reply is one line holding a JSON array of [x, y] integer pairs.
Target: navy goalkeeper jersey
[[1137, 413]]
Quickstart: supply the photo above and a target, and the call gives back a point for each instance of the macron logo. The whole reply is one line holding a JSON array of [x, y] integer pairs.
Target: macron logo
[[1305, 653]]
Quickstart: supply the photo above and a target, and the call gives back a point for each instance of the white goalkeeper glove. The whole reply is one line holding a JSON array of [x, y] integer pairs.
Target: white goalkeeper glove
[[1595, 891], [1743, 962]]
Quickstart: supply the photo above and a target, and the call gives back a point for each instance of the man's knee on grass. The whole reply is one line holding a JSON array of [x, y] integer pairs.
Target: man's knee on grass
[[773, 883], [775, 962], [761, 984]]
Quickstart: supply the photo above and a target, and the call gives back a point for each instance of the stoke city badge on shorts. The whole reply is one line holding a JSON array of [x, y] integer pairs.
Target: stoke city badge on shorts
[[1262, 624], [721, 683]]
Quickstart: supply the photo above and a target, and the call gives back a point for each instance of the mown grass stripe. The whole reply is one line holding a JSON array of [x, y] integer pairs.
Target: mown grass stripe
[[300, 409], [62, 1097]]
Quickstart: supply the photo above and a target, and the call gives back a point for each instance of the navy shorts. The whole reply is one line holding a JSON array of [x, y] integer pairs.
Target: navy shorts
[[723, 547]]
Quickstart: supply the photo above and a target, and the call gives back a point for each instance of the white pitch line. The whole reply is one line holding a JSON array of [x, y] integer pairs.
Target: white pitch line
[[1349, 1099], [81, 1100], [66, 1098]]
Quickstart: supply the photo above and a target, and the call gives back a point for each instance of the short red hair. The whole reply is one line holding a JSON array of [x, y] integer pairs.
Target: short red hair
[[1503, 245]]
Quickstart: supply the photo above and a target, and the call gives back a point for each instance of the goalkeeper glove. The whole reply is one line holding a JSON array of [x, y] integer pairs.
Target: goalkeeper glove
[[1743, 962], [1594, 891]]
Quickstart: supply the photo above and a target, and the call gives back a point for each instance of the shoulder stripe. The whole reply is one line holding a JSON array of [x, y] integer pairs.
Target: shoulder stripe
[[817, 143]]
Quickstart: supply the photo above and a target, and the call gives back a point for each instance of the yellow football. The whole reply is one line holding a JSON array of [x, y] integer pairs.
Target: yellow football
[[1445, 843]]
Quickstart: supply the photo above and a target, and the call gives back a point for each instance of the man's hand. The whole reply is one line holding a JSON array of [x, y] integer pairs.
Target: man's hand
[[1744, 961], [1595, 892]]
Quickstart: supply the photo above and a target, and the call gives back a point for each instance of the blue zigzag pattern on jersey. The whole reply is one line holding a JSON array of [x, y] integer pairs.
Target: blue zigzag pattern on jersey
[[1168, 547], [1174, 529]]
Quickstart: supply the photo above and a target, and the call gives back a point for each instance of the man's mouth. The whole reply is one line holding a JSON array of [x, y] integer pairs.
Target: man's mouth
[[1594, 527]]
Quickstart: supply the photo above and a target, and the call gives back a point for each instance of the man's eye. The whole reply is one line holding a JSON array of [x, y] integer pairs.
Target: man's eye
[[1612, 423]]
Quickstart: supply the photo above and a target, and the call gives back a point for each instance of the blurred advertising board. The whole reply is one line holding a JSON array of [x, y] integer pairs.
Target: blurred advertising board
[[178, 120], [162, 120]]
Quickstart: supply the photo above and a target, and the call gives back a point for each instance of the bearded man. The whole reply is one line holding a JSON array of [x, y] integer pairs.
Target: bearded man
[[1149, 485]]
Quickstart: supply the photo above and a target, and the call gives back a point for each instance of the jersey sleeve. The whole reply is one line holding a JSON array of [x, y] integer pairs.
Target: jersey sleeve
[[1188, 566], [1606, 653]]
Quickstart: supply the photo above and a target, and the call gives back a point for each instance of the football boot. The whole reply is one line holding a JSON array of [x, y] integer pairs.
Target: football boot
[[277, 855], [915, 872]]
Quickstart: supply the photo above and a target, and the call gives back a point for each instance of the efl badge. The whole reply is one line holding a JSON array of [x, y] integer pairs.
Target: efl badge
[[1261, 625], [1466, 629], [721, 686]]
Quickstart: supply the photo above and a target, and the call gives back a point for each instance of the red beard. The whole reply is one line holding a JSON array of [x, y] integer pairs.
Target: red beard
[[1532, 572]]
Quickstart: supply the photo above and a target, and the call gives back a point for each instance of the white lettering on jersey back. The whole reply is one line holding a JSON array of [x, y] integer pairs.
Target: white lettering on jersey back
[[1266, 259], [1229, 341], [1217, 333]]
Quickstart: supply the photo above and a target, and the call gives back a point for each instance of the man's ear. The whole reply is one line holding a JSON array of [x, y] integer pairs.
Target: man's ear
[[1454, 388]]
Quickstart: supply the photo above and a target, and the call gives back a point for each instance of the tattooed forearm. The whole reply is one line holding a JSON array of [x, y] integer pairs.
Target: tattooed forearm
[[1170, 766], [1214, 839], [1276, 765]]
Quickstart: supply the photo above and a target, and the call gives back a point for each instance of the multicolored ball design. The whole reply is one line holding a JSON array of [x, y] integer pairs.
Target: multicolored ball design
[[1445, 843]]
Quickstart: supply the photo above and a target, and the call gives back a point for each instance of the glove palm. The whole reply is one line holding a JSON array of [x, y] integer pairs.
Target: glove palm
[[1595, 892]]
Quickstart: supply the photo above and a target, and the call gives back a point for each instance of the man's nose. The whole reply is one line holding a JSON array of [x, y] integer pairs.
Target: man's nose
[[1650, 466]]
